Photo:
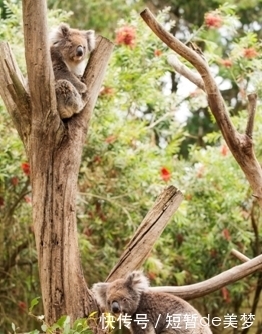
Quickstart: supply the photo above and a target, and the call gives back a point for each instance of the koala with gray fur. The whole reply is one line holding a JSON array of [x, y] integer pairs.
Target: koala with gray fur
[[69, 48], [131, 296]]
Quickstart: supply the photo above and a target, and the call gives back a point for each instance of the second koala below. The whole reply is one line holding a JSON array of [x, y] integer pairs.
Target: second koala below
[[131, 296], [69, 48]]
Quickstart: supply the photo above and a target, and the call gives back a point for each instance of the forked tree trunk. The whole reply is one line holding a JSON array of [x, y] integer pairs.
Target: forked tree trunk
[[54, 151]]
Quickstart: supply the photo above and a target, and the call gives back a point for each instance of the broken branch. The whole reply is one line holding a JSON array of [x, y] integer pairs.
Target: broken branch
[[148, 232]]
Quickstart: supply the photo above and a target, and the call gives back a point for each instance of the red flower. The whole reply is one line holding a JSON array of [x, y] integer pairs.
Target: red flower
[[226, 234], [224, 150], [22, 306], [225, 294], [26, 168], [126, 35], [213, 20], [14, 180], [165, 174], [109, 91], [250, 53], [157, 53], [226, 62], [110, 139]]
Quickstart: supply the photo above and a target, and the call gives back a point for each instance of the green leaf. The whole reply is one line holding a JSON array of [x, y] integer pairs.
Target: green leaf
[[33, 303], [61, 322]]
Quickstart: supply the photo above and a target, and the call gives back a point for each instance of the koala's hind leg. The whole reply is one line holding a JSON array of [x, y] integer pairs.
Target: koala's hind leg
[[69, 101]]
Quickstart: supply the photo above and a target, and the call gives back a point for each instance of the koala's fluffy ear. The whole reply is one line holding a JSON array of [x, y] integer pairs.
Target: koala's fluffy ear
[[59, 33], [138, 281], [91, 40], [99, 291]]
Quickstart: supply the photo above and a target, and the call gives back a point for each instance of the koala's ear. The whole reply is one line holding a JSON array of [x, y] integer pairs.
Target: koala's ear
[[99, 290], [64, 29], [138, 281], [59, 33], [91, 40]]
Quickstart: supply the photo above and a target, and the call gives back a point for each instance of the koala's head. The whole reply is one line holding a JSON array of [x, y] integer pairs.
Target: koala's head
[[73, 44], [121, 295]]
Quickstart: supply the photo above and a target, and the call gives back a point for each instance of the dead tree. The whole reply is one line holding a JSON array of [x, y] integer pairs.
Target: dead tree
[[54, 149]]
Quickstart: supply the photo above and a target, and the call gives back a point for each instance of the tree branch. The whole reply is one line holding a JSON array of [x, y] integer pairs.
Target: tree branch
[[182, 69], [39, 66], [14, 94], [239, 255], [93, 76], [240, 145], [147, 233], [215, 283], [252, 99]]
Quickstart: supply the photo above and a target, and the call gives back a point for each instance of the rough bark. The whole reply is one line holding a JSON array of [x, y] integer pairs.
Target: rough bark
[[241, 145]]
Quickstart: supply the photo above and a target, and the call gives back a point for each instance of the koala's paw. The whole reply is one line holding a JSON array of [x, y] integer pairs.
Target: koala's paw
[[81, 87], [69, 101]]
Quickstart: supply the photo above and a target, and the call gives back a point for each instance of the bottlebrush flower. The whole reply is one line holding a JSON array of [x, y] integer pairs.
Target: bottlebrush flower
[[126, 35], [22, 306], [14, 180], [109, 91], [226, 62], [110, 139], [213, 20], [26, 168], [250, 53], [165, 174], [157, 53], [225, 294], [224, 150], [226, 234]]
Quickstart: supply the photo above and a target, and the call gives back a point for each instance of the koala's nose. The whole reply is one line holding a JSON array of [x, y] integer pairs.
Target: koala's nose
[[79, 51], [115, 307]]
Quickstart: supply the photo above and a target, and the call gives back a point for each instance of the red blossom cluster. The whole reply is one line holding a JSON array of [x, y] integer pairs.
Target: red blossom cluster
[[224, 150], [157, 53], [26, 168], [111, 139], [126, 35], [250, 53], [213, 20], [226, 62], [165, 174], [22, 307]]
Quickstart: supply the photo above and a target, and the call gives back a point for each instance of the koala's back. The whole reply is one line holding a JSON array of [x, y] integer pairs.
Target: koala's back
[[167, 314]]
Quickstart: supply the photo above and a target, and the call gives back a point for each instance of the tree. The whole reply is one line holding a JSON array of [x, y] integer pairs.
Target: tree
[[54, 152]]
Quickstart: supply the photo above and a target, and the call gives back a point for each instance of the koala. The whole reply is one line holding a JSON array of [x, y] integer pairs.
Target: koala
[[69, 48], [164, 313]]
